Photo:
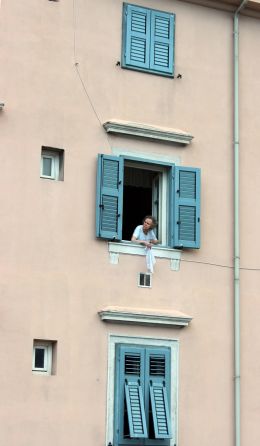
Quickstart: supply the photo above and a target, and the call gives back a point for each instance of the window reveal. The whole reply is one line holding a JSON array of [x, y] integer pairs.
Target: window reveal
[[127, 188]]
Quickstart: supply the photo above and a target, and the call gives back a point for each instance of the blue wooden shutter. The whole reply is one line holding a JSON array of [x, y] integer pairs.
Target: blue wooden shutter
[[186, 207], [159, 388], [109, 201], [131, 384], [162, 42], [136, 36]]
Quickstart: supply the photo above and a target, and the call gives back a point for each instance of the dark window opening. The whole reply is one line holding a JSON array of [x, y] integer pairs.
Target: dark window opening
[[39, 358], [150, 425], [141, 198], [126, 423]]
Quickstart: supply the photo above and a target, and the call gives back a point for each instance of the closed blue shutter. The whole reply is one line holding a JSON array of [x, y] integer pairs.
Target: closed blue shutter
[[131, 414], [136, 38], [162, 42], [109, 202], [159, 388], [186, 207]]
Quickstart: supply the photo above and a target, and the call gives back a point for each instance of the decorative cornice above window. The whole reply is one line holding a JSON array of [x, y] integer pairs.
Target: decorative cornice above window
[[140, 316], [147, 131]]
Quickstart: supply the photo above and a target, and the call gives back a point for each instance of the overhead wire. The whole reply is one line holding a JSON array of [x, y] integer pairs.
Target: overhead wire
[[76, 65]]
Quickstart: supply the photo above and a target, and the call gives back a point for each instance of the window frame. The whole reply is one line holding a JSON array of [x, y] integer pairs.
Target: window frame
[[148, 65], [183, 200], [173, 345], [57, 159], [163, 171], [48, 356]]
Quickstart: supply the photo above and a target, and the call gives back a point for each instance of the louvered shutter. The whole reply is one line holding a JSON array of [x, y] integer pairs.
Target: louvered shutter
[[162, 42], [185, 224], [159, 388], [136, 43], [109, 202], [132, 392]]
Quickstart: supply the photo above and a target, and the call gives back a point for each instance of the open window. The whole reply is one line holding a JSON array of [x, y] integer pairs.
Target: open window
[[144, 193], [128, 189]]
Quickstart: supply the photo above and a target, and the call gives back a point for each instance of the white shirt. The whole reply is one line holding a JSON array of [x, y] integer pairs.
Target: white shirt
[[140, 235]]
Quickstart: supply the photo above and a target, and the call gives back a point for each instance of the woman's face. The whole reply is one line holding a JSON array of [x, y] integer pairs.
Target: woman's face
[[148, 223]]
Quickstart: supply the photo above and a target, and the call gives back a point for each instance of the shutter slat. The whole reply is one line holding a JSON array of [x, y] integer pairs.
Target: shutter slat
[[162, 42], [159, 389], [160, 410], [109, 200], [136, 37], [186, 217], [134, 394]]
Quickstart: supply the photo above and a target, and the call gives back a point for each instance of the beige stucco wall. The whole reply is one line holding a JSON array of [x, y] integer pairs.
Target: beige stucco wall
[[55, 276]]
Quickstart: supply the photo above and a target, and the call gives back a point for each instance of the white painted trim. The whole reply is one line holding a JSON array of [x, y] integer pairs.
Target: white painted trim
[[116, 248], [140, 316], [139, 280], [148, 131], [145, 156], [47, 368], [55, 164], [173, 344]]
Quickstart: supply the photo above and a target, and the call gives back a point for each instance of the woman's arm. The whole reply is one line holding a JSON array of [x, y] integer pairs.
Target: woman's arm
[[147, 243]]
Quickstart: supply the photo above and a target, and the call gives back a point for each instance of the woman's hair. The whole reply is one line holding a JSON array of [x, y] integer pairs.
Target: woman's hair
[[154, 222]]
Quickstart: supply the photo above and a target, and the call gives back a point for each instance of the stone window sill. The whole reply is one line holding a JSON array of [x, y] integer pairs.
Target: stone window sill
[[117, 248]]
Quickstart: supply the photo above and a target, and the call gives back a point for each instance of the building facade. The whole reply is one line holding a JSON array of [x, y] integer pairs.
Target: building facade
[[112, 111]]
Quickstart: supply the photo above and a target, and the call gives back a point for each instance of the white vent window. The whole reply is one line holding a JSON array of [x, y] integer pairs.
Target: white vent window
[[43, 357], [145, 280], [52, 161]]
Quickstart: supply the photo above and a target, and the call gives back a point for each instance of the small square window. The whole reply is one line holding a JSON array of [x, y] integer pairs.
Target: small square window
[[52, 161], [145, 280], [44, 353]]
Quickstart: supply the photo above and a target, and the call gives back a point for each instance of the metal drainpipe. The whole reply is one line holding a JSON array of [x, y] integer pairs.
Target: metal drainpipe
[[236, 225]]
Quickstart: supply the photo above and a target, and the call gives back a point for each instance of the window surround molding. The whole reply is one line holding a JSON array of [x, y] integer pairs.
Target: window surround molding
[[125, 247], [147, 131], [141, 316], [173, 344]]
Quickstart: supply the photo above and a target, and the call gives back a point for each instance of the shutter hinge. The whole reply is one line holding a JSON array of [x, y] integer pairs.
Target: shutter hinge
[[101, 206], [178, 222], [198, 219]]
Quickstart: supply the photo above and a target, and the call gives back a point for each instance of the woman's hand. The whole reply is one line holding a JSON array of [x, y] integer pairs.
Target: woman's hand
[[147, 244]]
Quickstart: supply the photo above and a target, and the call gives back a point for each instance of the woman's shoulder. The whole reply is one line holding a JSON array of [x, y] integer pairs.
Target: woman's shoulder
[[138, 229]]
